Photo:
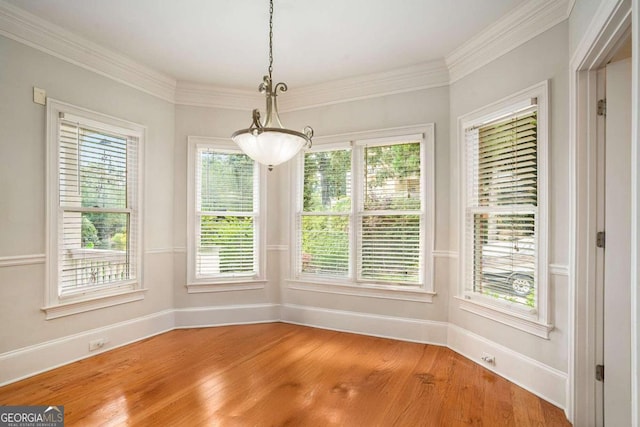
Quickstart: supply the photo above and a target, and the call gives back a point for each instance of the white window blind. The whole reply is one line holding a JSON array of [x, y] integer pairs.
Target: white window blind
[[326, 211], [364, 213], [226, 214], [390, 220], [502, 207], [97, 183]]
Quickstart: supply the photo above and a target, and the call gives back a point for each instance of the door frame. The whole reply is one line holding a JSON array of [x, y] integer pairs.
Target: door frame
[[610, 25]]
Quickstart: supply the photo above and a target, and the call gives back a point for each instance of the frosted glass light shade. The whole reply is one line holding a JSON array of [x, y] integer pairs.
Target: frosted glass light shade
[[271, 146]]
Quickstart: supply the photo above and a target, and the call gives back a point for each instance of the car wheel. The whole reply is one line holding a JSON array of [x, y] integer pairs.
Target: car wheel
[[522, 284]]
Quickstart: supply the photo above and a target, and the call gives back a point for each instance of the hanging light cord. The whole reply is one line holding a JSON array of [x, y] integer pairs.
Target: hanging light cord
[[270, 38]]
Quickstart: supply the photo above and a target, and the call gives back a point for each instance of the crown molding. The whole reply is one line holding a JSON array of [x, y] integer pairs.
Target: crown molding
[[532, 18], [516, 28], [35, 32], [202, 95], [422, 76]]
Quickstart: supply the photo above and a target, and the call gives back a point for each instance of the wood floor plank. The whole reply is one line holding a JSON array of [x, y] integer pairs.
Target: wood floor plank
[[278, 375]]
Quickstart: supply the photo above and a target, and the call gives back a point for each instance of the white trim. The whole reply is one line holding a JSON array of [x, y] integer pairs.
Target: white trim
[[607, 27], [428, 75], [418, 77], [532, 18], [28, 361], [102, 301], [24, 27], [328, 141], [400, 328], [559, 270], [54, 305], [473, 302], [180, 250], [635, 215], [12, 261], [159, 251], [222, 283], [506, 317], [540, 379], [382, 292], [445, 254], [425, 135], [202, 95], [530, 374], [277, 247], [243, 285], [610, 16], [199, 317]]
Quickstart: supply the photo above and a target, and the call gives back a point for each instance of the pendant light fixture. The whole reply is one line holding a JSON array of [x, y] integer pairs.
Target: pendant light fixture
[[267, 141]]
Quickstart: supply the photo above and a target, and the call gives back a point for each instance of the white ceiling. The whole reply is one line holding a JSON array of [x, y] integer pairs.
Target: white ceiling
[[225, 42]]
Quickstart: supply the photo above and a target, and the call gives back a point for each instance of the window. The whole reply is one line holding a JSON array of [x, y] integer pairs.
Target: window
[[94, 210], [224, 217], [504, 150], [364, 212]]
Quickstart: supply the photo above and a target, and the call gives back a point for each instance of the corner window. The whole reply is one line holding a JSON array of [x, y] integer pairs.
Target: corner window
[[94, 210], [364, 213], [224, 217], [504, 149]]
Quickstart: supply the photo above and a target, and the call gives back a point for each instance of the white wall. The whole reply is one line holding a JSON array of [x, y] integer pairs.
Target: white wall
[[22, 191], [579, 20], [544, 57]]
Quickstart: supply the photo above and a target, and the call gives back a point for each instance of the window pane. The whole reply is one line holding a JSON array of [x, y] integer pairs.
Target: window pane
[[94, 250], [226, 245], [392, 177], [507, 162], [325, 245], [93, 168], [327, 181], [504, 256], [225, 182], [390, 249]]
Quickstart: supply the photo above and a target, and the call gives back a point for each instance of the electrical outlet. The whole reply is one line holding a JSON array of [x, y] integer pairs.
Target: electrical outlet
[[488, 358], [97, 344]]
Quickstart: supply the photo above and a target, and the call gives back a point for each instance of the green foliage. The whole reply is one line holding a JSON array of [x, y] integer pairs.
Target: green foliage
[[119, 241], [392, 180], [226, 182], [326, 180], [233, 236], [89, 233], [392, 176], [325, 238]]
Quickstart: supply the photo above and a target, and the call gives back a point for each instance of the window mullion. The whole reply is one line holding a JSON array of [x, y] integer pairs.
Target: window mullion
[[357, 204]]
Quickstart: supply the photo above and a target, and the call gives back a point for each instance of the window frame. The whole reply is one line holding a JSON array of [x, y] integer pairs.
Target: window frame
[[351, 285], [55, 304], [534, 321], [224, 282]]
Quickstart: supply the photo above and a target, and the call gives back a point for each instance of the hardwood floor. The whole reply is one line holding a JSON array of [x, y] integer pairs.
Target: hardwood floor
[[281, 375]]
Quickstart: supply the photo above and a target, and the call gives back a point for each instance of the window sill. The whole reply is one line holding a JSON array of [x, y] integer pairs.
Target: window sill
[[83, 305], [226, 286], [522, 321], [369, 291]]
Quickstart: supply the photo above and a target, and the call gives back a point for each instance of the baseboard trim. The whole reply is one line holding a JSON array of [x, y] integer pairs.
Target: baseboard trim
[[414, 330], [202, 317], [536, 377], [35, 359]]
